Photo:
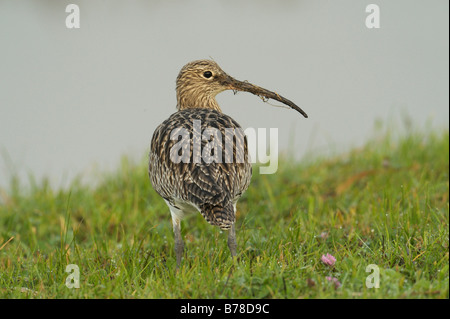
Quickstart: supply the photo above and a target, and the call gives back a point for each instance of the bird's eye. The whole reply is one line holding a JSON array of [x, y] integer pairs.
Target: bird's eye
[[207, 74]]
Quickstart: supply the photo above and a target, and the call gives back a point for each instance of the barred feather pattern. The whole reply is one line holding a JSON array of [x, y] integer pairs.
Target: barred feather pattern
[[213, 188]]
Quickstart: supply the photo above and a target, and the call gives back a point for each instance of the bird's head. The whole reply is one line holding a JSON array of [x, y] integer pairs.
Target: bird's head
[[200, 81]]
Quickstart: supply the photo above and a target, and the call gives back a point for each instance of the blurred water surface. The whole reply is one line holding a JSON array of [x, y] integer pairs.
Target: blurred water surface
[[74, 100]]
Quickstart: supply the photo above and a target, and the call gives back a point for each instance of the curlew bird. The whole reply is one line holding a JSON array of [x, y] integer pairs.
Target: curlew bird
[[198, 156]]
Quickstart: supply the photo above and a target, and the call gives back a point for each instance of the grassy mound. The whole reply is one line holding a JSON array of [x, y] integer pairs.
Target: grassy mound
[[385, 204]]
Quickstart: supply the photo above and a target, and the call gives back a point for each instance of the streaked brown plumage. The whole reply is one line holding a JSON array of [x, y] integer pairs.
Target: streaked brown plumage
[[212, 188], [197, 183]]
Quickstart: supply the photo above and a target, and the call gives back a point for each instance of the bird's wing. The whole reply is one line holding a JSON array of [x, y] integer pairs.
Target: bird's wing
[[198, 182]]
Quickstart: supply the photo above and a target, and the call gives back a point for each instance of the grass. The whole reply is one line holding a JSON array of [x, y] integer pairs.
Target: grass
[[384, 204]]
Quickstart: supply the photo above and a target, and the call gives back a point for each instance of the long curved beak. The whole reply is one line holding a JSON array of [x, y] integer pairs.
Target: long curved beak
[[237, 85]]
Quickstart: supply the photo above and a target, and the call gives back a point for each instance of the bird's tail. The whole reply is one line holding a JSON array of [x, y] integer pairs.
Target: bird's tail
[[221, 216]]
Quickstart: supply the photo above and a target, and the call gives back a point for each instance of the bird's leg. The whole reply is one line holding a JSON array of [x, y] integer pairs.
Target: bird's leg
[[232, 241], [179, 245]]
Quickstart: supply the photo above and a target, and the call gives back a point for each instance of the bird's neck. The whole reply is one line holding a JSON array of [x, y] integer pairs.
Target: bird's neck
[[190, 100]]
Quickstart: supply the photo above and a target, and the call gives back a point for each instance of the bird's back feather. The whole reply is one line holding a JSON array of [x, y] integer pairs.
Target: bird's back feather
[[212, 188]]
